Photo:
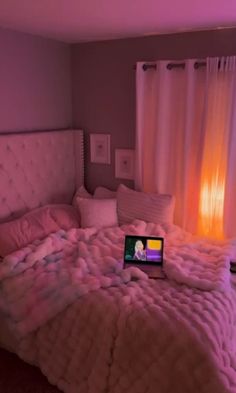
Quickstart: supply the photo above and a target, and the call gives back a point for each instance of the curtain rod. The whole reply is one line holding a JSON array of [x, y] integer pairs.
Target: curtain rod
[[197, 64], [169, 66]]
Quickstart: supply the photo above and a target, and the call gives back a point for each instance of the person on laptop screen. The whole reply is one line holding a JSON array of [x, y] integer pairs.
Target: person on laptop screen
[[140, 252]]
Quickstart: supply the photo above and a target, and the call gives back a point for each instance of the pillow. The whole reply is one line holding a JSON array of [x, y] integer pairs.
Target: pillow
[[24, 230], [34, 225], [81, 193], [103, 193], [66, 216], [97, 213], [131, 205]]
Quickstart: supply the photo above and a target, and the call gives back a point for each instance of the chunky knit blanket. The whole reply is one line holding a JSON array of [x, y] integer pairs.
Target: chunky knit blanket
[[92, 326]]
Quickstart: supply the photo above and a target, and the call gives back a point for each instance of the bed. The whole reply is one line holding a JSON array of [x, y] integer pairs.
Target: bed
[[68, 306]]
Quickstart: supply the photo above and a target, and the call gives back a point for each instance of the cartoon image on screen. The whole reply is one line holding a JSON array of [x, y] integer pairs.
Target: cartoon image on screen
[[143, 249]]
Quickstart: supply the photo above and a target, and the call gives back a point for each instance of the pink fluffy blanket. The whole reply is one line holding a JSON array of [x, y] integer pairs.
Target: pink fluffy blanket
[[93, 327]]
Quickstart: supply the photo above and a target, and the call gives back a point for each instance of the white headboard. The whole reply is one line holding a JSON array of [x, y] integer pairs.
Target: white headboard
[[39, 168]]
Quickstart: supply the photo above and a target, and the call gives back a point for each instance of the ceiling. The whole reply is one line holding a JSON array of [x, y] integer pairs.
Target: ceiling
[[90, 20]]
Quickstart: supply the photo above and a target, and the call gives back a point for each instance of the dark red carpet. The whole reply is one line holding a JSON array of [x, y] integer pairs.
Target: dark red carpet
[[19, 377]]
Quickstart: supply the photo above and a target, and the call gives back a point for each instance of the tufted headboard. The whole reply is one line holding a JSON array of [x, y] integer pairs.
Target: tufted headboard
[[39, 168]]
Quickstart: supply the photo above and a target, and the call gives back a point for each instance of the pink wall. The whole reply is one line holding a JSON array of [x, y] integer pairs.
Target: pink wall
[[104, 84], [35, 82]]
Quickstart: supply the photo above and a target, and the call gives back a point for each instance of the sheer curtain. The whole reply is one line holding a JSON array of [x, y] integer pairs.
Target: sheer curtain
[[185, 141]]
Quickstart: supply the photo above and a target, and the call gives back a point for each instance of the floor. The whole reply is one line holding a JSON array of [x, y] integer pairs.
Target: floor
[[19, 377]]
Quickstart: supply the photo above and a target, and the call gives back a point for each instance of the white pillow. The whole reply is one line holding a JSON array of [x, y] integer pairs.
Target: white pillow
[[98, 213], [131, 205], [103, 193]]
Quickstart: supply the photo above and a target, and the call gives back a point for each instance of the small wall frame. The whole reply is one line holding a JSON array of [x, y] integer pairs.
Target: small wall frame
[[100, 148], [124, 164]]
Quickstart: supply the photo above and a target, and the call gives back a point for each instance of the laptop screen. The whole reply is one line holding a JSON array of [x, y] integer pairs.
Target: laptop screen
[[143, 249]]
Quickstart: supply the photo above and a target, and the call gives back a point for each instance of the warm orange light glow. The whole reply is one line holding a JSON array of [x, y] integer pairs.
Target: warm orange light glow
[[215, 156], [211, 210]]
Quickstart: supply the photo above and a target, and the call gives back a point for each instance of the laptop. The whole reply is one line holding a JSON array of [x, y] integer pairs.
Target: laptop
[[146, 253]]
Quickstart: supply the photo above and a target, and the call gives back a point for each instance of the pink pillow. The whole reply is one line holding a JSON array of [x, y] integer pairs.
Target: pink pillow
[[103, 193], [81, 193], [66, 216], [35, 225], [24, 230], [131, 205], [98, 213]]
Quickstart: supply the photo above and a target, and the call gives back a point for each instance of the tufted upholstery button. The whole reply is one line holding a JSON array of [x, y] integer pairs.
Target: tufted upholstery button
[[31, 168]]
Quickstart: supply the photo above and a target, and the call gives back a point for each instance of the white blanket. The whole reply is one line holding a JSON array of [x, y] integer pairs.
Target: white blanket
[[93, 327]]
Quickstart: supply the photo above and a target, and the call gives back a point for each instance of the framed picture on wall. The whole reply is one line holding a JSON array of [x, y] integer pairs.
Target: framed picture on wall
[[124, 164], [100, 148]]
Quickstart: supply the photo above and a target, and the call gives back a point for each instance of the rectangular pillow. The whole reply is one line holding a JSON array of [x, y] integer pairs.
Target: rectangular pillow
[[66, 216], [98, 213], [81, 192], [103, 193], [131, 205], [24, 230], [36, 224]]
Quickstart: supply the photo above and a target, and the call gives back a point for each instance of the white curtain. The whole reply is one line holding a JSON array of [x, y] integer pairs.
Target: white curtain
[[186, 139]]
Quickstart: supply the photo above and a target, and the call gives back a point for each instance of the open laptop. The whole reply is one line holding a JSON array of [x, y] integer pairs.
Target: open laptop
[[146, 253]]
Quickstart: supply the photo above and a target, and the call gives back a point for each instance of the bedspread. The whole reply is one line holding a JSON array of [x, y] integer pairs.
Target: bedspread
[[93, 327]]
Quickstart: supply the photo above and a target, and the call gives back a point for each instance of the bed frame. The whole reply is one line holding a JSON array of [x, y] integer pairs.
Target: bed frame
[[38, 168]]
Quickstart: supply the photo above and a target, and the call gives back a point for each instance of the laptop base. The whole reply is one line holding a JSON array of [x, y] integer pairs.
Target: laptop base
[[156, 272]]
